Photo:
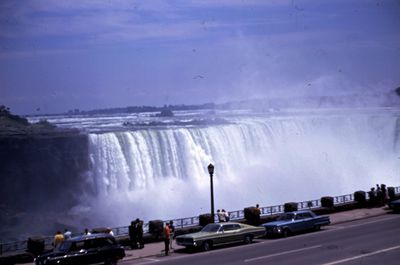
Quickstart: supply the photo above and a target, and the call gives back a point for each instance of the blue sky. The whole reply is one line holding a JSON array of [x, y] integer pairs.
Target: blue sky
[[61, 55]]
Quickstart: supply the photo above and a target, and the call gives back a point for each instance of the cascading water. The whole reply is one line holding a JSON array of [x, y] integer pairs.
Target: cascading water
[[161, 173]]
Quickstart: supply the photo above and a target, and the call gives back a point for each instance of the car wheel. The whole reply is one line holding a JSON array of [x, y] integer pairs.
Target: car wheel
[[248, 239], [317, 227], [110, 261], [286, 232], [207, 246]]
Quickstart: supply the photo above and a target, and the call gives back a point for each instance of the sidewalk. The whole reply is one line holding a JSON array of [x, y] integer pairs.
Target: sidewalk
[[150, 250], [156, 249]]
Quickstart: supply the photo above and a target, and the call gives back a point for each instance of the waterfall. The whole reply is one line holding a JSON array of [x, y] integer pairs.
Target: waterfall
[[161, 173]]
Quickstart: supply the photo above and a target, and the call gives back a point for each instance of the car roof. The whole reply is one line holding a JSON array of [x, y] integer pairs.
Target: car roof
[[91, 236], [226, 223], [300, 211]]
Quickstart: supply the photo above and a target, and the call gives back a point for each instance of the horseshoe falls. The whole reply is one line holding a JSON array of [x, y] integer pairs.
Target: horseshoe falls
[[161, 172]]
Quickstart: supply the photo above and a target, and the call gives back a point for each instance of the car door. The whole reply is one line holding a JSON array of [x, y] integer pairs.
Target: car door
[[220, 237], [308, 221], [230, 233], [86, 253], [98, 250], [78, 253], [298, 223], [106, 249], [237, 233]]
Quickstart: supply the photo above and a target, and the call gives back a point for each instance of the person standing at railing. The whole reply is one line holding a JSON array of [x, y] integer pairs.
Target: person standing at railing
[[172, 233], [86, 233], [257, 215], [67, 234], [133, 234], [139, 226], [58, 238], [167, 237], [221, 216], [226, 215]]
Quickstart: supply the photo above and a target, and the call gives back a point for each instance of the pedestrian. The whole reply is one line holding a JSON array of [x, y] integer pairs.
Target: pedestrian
[[67, 234], [384, 194], [58, 238], [172, 233], [372, 196], [139, 228], [221, 216], [167, 235], [109, 231], [226, 214], [86, 233], [133, 235], [257, 213]]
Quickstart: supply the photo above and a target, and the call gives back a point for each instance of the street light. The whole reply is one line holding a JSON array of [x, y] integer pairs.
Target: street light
[[211, 172]]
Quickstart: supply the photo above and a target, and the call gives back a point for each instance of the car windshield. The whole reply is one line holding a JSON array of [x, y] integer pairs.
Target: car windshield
[[210, 228], [286, 216]]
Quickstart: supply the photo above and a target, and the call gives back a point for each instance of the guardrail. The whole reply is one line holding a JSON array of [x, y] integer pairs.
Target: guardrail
[[193, 221]]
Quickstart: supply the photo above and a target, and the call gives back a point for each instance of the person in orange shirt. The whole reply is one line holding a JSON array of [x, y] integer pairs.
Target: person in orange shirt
[[167, 236], [58, 238]]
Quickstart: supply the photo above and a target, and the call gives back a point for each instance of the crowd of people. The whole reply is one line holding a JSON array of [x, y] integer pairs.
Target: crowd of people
[[169, 233], [59, 237], [379, 194], [223, 216], [136, 234]]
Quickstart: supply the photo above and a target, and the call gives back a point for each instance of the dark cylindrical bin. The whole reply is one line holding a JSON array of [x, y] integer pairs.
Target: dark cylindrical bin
[[359, 196], [156, 227], [327, 201], [290, 207], [205, 219], [35, 245]]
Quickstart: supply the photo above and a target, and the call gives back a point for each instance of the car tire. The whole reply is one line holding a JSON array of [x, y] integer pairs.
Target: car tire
[[207, 246], [110, 261], [317, 227], [286, 232], [248, 239]]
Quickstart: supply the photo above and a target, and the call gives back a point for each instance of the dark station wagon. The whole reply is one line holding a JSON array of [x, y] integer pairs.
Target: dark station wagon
[[86, 249]]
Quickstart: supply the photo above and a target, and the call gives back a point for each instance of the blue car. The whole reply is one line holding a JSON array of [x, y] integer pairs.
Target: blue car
[[395, 205], [295, 222]]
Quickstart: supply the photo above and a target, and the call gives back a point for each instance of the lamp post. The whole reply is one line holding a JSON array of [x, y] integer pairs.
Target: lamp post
[[211, 172]]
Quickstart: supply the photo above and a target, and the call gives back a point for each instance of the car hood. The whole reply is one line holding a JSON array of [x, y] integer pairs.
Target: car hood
[[197, 235]]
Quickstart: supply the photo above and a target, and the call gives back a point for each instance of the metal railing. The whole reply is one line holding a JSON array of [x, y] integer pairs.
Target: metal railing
[[194, 221]]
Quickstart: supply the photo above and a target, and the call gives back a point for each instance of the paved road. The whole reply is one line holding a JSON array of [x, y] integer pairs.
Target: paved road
[[370, 241]]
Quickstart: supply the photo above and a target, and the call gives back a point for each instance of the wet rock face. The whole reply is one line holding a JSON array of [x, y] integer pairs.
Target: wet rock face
[[42, 173]]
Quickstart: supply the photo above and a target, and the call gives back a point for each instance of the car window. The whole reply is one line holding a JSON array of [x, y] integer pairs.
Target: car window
[[79, 245], [307, 215], [287, 216], [210, 228], [66, 246], [299, 216], [229, 227], [100, 242]]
